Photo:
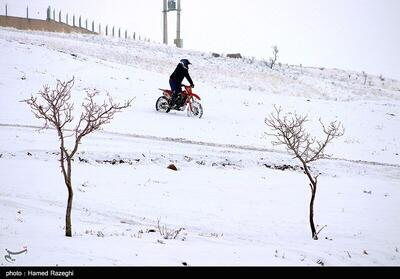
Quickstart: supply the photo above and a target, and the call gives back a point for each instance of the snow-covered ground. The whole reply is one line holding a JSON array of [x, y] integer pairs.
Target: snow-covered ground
[[234, 209]]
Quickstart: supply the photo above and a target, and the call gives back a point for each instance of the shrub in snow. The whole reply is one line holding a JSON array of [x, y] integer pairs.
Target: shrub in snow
[[168, 233]]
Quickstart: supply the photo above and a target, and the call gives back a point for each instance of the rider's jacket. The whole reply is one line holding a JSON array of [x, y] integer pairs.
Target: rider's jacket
[[180, 73]]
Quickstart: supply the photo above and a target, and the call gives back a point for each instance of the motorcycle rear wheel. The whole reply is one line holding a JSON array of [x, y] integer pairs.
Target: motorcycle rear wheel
[[162, 104]]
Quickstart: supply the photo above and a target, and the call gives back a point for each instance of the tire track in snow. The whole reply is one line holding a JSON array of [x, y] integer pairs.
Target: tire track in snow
[[203, 143]]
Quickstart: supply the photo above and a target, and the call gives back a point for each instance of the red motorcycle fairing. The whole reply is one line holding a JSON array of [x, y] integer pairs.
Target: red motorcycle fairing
[[167, 93]]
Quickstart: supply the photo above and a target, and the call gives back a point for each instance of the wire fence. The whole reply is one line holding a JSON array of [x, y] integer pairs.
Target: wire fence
[[78, 21]]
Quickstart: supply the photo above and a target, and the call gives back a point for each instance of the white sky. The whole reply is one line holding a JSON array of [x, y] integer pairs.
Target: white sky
[[362, 35]]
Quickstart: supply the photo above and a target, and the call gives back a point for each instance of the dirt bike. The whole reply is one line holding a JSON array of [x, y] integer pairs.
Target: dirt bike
[[187, 99]]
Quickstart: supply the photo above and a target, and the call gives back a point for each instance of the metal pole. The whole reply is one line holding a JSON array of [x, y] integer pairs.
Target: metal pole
[[59, 16], [86, 25], [66, 19], [178, 26], [106, 30], [6, 10], [73, 21], [113, 31], [119, 32], [126, 34], [93, 26], [80, 21], [99, 28], [165, 25], [54, 14], [27, 12]]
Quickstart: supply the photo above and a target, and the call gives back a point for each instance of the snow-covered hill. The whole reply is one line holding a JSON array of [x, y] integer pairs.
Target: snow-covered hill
[[234, 209]]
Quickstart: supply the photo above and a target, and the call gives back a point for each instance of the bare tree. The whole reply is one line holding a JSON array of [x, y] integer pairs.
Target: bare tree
[[365, 77], [274, 58], [55, 108], [289, 131]]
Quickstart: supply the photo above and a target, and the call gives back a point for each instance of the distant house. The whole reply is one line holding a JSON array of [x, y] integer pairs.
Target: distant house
[[234, 55]]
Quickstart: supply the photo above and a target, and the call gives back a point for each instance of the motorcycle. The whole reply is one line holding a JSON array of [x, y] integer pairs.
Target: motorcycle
[[186, 100]]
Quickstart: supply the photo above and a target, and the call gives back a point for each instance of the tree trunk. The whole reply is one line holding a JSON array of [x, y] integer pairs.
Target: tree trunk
[[68, 223], [313, 187], [313, 192]]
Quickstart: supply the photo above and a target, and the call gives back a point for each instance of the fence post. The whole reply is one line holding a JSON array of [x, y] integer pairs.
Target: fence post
[[54, 14], [6, 9], [48, 13], [27, 12], [99, 28], [126, 34], [59, 16], [113, 32], [66, 19], [80, 21], [93, 26], [86, 25], [119, 32], [106, 30], [73, 21], [134, 35]]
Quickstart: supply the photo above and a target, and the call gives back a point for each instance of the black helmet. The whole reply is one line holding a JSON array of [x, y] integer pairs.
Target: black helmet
[[185, 63]]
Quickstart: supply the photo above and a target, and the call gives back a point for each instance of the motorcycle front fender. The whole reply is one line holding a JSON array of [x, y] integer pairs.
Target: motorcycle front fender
[[196, 96]]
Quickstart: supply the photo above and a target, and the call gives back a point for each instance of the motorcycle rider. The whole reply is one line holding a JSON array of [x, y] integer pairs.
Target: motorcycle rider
[[175, 81]]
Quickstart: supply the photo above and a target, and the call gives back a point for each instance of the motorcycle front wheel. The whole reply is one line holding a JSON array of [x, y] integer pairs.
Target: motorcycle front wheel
[[196, 111], [162, 104]]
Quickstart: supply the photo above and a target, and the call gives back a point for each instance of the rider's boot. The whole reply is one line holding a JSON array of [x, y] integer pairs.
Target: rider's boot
[[171, 104]]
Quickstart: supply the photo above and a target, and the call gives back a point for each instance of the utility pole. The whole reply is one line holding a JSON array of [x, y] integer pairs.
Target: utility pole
[[165, 25], [178, 40], [170, 6]]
